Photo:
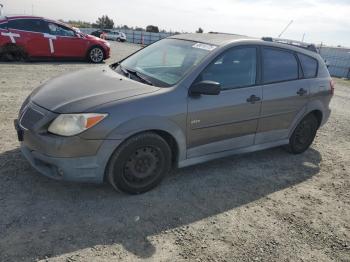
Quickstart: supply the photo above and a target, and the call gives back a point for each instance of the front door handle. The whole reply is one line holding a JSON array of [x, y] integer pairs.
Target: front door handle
[[301, 92], [253, 98]]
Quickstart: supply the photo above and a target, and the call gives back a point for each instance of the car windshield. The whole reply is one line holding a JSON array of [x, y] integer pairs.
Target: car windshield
[[166, 62]]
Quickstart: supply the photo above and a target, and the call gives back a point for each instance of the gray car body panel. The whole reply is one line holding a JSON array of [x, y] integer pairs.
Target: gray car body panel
[[227, 123], [78, 91]]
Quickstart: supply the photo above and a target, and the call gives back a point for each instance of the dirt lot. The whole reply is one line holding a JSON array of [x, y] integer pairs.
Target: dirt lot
[[264, 206]]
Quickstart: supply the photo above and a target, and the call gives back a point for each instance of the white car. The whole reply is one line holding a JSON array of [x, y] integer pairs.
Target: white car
[[116, 36]]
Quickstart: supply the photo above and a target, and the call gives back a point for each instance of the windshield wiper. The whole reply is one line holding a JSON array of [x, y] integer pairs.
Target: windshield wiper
[[129, 72], [144, 79], [124, 70]]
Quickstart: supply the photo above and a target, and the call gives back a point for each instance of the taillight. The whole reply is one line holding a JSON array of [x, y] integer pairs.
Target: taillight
[[332, 85]]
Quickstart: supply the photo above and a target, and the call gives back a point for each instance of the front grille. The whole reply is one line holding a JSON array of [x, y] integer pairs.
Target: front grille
[[30, 117]]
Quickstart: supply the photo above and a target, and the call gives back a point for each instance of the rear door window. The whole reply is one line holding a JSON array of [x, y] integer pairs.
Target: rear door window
[[32, 25], [309, 65], [3, 26], [279, 65]]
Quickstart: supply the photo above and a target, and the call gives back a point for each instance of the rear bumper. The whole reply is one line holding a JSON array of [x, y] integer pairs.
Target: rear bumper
[[325, 117]]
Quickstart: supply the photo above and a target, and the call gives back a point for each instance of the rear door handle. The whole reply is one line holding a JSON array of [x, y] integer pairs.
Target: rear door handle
[[301, 92], [253, 98]]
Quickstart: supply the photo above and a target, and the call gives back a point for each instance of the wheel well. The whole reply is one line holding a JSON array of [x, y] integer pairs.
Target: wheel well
[[318, 115], [13, 48], [172, 144], [163, 134]]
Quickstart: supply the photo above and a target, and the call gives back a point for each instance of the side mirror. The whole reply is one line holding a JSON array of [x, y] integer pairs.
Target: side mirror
[[78, 34], [205, 88]]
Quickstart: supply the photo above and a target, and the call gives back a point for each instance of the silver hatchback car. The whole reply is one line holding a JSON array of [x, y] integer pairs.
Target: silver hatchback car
[[181, 101]]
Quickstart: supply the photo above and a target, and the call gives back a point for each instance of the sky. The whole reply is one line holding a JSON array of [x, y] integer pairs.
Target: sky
[[320, 20]]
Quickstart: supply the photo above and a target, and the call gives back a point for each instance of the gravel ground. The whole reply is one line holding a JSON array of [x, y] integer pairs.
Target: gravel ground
[[263, 206]]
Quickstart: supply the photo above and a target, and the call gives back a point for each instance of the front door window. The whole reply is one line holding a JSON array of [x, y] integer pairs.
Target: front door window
[[233, 69], [60, 30]]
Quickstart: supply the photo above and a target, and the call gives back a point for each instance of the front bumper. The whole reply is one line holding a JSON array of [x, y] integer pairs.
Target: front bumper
[[62, 158], [107, 50], [89, 169]]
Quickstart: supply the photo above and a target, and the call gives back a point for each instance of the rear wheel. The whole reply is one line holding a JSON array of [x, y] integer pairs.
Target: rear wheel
[[13, 52], [96, 55], [139, 164], [303, 135]]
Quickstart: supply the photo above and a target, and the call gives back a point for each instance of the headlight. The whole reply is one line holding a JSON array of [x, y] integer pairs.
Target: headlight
[[73, 124]]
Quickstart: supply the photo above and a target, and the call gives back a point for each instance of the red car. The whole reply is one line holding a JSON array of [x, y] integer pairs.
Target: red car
[[37, 37]]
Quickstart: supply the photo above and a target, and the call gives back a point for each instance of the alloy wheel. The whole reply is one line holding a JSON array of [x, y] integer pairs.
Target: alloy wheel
[[96, 55]]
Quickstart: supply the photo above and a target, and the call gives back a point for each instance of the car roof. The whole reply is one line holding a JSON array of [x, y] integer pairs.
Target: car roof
[[10, 17], [222, 39], [22, 16], [218, 39]]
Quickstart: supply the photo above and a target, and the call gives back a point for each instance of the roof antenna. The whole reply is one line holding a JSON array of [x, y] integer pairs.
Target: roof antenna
[[1, 9], [285, 29]]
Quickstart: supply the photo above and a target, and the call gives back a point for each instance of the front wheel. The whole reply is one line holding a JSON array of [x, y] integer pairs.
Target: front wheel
[[303, 135], [139, 164], [96, 55]]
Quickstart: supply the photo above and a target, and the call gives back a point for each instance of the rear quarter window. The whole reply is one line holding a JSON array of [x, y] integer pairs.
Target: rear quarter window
[[279, 66], [309, 66]]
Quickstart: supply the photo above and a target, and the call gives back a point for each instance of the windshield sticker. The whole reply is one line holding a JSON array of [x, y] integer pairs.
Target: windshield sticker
[[204, 46]]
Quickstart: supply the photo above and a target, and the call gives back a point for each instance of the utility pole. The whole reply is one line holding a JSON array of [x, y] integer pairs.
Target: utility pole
[[302, 40], [1, 11], [32, 9], [285, 29]]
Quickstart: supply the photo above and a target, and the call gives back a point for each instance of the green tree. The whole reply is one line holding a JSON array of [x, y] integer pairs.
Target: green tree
[[79, 24], [200, 30], [137, 28], [104, 22], [152, 28]]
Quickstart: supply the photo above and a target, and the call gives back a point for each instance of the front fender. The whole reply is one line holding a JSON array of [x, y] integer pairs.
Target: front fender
[[148, 123]]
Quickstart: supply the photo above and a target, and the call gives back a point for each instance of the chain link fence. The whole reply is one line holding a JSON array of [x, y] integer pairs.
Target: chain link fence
[[337, 59], [136, 37]]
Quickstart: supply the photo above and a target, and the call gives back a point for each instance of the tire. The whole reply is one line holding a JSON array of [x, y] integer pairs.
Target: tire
[[96, 55], [139, 164], [13, 53], [303, 135], [118, 39]]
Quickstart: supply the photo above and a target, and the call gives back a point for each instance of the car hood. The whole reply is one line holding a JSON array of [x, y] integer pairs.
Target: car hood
[[95, 39], [92, 37], [79, 91]]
